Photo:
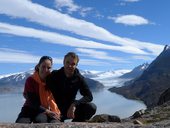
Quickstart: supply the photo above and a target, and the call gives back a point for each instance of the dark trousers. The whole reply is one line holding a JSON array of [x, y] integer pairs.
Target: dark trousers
[[83, 112], [28, 115]]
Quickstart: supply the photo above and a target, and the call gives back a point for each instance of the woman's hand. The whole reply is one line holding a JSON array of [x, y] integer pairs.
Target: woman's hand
[[71, 111], [52, 114]]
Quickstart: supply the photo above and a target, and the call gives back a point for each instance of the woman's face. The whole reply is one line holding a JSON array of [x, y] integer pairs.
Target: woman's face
[[45, 69]]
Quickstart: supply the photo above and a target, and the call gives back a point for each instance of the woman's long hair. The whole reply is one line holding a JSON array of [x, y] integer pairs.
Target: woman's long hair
[[42, 59]]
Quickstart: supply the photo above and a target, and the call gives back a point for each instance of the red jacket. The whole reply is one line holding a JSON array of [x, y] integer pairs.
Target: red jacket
[[31, 94]]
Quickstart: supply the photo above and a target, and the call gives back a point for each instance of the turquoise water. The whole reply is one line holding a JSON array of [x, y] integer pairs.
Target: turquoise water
[[114, 104], [107, 102], [10, 106]]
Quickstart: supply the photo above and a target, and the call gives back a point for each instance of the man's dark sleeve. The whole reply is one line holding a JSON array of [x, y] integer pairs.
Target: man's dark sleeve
[[85, 92]]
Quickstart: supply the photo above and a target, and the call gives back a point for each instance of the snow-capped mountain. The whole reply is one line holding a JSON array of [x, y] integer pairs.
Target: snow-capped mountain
[[136, 72], [95, 79], [89, 74], [15, 78], [15, 82], [107, 78], [103, 74]]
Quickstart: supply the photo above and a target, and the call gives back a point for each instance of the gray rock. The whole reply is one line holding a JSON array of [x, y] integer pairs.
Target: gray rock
[[137, 122], [105, 118], [138, 114]]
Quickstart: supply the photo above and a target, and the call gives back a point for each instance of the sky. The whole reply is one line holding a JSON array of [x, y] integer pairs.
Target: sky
[[106, 34]]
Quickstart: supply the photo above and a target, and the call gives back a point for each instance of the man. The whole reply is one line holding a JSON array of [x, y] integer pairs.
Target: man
[[64, 85]]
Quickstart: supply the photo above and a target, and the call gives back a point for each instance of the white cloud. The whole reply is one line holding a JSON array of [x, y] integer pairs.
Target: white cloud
[[16, 56], [54, 19], [131, 0], [100, 55], [69, 4], [146, 58], [99, 16], [93, 62], [56, 38], [131, 20], [72, 7], [124, 2], [84, 11], [51, 18]]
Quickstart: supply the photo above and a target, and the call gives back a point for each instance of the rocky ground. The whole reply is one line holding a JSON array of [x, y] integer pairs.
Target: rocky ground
[[157, 117], [162, 124], [68, 125]]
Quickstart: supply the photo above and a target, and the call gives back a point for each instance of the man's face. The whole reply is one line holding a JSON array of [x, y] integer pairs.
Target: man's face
[[70, 64]]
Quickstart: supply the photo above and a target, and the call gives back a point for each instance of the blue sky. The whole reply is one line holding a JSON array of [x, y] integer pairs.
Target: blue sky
[[106, 34]]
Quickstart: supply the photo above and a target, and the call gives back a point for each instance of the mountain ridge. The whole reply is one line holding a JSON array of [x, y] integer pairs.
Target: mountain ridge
[[96, 79], [16, 81], [136, 72], [152, 83]]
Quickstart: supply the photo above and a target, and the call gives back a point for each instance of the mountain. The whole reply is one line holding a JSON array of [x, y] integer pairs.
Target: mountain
[[96, 80], [16, 79], [111, 78], [103, 74], [154, 81], [15, 82], [89, 74], [136, 72], [94, 85]]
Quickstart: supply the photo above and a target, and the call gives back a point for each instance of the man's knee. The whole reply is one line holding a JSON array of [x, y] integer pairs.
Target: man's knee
[[85, 111], [91, 107]]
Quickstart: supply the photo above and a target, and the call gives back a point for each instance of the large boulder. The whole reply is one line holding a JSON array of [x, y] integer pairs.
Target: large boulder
[[105, 118]]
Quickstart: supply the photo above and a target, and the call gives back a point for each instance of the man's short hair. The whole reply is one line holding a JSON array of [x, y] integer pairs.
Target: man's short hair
[[73, 55]]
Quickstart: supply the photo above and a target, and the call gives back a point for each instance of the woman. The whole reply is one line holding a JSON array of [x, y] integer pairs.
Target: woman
[[40, 106]]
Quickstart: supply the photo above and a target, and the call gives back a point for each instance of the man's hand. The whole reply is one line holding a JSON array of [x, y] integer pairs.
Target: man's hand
[[71, 110]]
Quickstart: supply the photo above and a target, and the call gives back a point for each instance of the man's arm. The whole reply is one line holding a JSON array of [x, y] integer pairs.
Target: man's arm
[[85, 92]]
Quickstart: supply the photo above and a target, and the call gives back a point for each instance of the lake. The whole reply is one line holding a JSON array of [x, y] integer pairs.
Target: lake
[[107, 103]]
